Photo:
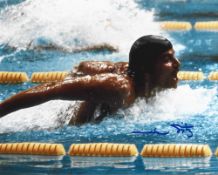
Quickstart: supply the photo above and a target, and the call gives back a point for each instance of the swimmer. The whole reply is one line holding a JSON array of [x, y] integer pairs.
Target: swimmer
[[105, 85], [51, 46]]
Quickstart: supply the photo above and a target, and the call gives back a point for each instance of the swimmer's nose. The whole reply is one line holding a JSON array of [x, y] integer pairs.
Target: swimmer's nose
[[176, 63]]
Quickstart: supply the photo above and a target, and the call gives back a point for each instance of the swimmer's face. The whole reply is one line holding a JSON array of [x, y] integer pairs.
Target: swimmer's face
[[166, 69]]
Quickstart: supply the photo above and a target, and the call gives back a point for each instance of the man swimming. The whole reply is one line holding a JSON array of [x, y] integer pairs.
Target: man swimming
[[105, 85]]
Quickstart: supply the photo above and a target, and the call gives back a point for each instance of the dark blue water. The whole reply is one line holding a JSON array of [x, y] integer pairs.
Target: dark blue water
[[192, 102]]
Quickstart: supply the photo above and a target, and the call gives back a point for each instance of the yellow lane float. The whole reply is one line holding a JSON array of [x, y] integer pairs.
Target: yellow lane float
[[207, 25], [13, 77], [103, 149], [176, 150], [43, 77], [174, 25], [32, 149], [190, 75], [216, 152], [213, 76]]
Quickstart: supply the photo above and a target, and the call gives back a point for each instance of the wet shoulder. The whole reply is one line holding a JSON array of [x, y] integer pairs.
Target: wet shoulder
[[120, 82], [99, 67], [96, 67]]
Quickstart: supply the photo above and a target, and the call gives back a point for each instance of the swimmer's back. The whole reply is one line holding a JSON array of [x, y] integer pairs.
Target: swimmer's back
[[100, 67]]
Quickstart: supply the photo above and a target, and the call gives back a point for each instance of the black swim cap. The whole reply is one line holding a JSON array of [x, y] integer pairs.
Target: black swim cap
[[145, 51]]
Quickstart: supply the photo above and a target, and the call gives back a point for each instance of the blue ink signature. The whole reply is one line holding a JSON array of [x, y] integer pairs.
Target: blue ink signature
[[183, 128], [151, 132], [180, 128]]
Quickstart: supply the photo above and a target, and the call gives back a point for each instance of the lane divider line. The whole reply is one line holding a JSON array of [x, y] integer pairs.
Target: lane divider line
[[31, 148], [213, 76], [13, 77], [45, 77], [176, 150], [108, 150], [190, 75], [206, 25], [103, 149], [175, 25]]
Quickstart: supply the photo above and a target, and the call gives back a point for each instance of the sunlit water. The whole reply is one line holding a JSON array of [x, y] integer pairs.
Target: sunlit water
[[69, 25]]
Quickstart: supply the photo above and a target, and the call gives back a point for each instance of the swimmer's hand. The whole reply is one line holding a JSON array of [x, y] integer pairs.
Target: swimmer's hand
[[28, 98], [112, 89]]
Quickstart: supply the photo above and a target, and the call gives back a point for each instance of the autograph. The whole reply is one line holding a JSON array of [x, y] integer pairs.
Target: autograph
[[151, 132], [183, 128], [180, 128]]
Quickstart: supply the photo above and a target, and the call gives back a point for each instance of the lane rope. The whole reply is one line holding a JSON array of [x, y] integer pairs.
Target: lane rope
[[206, 25], [13, 77], [176, 150], [103, 149], [174, 25], [31, 148], [44, 77], [108, 149]]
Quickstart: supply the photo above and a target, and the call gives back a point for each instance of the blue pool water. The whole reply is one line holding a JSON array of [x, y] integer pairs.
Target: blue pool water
[[26, 26]]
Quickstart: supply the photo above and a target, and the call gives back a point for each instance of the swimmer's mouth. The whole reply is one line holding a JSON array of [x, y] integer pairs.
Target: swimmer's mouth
[[174, 76]]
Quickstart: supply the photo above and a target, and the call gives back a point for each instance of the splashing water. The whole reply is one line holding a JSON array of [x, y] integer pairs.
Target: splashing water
[[49, 115], [173, 104], [75, 24]]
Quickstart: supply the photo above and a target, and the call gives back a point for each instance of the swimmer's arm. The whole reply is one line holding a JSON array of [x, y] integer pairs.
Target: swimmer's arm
[[28, 98], [104, 88], [101, 88]]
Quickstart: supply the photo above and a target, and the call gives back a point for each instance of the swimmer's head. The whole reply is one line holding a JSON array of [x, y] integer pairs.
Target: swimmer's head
[[145, 51], [153, 56]]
